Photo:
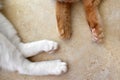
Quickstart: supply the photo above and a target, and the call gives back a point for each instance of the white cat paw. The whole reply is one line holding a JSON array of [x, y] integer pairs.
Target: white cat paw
[[58, 67], [50, 46]]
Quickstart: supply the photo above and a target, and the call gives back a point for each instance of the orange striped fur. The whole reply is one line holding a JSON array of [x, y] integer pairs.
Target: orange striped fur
[[92, 15]]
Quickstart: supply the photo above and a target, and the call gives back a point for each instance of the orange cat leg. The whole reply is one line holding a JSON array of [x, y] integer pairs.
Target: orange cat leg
[[63, 15], [93, 18], [70, 1]]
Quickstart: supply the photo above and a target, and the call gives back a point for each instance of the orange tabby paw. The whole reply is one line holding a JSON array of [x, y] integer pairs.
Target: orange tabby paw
[[97, 35], [65, 33]]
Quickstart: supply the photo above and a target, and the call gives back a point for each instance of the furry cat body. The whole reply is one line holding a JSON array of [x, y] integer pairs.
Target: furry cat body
[[92, 16], [13, 53]]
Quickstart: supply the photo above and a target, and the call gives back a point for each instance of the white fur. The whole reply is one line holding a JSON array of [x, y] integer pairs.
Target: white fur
[[13, 53]]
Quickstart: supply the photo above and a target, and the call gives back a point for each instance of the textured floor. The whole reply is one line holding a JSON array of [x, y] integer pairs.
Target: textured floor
[[35, 20]]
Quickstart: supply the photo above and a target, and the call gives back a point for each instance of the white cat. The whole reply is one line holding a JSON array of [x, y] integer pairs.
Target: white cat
[[13, 53]]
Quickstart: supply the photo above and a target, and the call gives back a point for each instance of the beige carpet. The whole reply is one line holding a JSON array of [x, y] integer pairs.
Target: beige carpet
[[35, 20]]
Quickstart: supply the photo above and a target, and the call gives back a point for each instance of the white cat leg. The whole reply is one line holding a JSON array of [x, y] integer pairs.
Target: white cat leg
[[11, 59], [55, 67], [9, 55], [33, 48], [7, 29]]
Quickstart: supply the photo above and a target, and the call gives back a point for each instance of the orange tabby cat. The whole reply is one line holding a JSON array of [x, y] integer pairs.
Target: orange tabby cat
[[92, 15]]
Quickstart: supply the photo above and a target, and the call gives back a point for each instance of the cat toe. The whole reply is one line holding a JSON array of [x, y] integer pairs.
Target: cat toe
[[51, 47], [66, 34], [97, 35], [98, 38], [61, 67]]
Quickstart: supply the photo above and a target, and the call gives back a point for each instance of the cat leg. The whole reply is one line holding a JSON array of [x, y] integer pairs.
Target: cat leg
[[94, 19], [7, 29], [12, 59], [54, 67], [33, 48], [8, 54], [63, 15]]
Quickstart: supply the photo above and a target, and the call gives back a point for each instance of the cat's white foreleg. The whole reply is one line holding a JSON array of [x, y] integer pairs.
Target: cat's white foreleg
[[54, 67], [33, 48]]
